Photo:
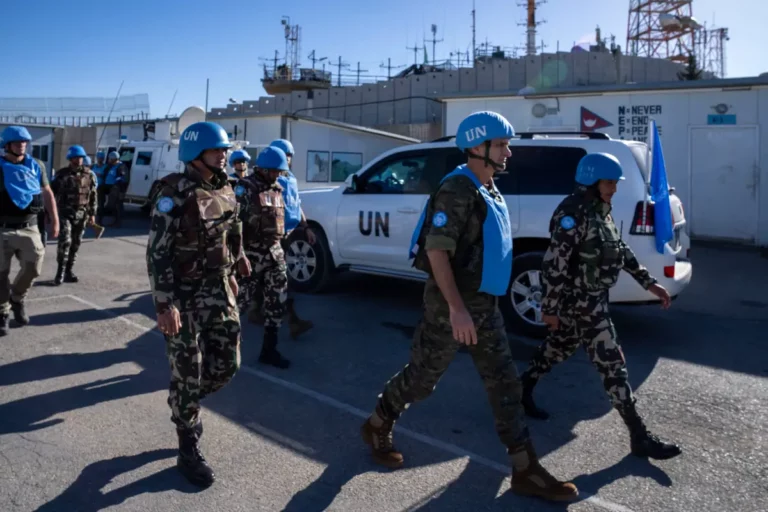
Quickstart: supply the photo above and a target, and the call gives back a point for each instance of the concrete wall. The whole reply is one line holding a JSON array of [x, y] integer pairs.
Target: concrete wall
[[740, 162], [401, 100]]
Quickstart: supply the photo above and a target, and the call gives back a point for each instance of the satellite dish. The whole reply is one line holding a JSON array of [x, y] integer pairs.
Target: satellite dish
[[189, 117]]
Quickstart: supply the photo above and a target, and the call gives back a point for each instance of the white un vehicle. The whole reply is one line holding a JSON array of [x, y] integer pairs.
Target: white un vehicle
[[366, 224]]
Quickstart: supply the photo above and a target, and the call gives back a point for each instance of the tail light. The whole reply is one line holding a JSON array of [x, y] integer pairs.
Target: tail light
[[643, 223], [669, 272]]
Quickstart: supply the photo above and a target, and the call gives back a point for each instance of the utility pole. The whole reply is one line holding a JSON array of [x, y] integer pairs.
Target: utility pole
[[415, 49], [340, 65], [389, 68], [433, 41], [360, 71], [314, 59]]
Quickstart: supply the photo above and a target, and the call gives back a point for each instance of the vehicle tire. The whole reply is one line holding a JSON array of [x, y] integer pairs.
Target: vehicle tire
[[522, 304], [310, 267]]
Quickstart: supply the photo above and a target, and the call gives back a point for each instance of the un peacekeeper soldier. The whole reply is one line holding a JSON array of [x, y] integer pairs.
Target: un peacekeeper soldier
[[24, 191], [585, 257], [114, 186], [294, 217], [263, 214], [238, 161], [75, 190], [195, 244], [464, 242]]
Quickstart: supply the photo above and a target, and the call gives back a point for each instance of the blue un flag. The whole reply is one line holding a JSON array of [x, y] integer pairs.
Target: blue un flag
[[660, 193]]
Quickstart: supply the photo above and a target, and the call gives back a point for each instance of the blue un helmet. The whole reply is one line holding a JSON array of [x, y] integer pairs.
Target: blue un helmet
[[113, 155], [100, 154], [598, 166], [201, 136], [272, 158], [76, 151], [283, 144], [239, 154], [482, 127], [15, 134], [87, 161]]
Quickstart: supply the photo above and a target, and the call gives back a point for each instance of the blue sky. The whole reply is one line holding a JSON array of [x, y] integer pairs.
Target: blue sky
[[87, 47]]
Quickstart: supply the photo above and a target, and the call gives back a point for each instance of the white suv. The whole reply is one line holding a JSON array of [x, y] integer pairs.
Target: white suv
[[366, 224]]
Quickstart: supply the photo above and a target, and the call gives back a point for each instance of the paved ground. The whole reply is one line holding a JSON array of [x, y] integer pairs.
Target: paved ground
[[84, 425]]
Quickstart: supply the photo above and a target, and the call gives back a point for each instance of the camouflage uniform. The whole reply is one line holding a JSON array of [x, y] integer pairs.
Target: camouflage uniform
[[434, 345], [194, 243], [76, 196], [263, 215], [583, 262], [585, 258]]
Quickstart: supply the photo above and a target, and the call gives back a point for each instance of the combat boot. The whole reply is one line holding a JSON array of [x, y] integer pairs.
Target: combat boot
[[4, 324], [69, 276], [296, 325], [19, 312], [642, 442], [529, 478], [190, 460], [59, 275], [377, 433], [269, 354], [528, 404]]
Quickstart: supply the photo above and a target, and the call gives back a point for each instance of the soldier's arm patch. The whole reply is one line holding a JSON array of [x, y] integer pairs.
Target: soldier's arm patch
[[164, 204], [239, 190], [567, 222], [439, 219]]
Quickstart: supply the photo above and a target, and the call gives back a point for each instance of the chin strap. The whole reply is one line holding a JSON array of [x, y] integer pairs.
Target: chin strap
[[486, 159]]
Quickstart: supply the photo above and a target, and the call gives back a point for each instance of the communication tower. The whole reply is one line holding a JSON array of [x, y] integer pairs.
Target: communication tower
[[663, 29]]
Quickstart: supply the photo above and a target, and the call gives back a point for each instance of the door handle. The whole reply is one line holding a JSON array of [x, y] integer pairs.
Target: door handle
[[407, 210]]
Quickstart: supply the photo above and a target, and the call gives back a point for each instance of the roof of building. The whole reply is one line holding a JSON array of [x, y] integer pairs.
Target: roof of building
[[719, 83]]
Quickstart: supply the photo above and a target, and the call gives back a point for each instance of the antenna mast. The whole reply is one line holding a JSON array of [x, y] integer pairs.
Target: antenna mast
[[474, 46]]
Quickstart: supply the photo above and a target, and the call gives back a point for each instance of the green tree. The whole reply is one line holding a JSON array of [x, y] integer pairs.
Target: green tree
[[691, 71]]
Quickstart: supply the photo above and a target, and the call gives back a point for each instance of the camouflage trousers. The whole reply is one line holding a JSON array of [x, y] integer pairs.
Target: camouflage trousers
[[71, 230], [205, 354], [268, 279], [589, 325], [432, 351]]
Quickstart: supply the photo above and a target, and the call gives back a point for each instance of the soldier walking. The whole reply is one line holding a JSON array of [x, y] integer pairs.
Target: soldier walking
[[584, 260], [464, 243], [76, 197], [193, 252], [24, 193], [263, 214]]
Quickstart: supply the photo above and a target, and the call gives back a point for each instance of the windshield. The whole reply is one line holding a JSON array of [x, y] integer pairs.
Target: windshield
[[641, 154]]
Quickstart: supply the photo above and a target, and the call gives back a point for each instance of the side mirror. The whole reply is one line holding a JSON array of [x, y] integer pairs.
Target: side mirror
[[355, 183]]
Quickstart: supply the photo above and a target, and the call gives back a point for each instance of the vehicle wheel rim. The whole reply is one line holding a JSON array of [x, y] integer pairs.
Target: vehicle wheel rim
[[301, 261], [526, 296]]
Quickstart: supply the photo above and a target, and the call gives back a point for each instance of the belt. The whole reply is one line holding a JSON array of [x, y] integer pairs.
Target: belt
[[17, 225]]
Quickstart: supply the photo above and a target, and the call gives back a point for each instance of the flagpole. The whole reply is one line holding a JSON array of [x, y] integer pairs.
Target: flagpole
[[648, 174]]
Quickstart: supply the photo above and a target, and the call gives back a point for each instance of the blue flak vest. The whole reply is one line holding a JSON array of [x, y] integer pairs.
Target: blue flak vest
[[497, 238], [291, 198], [98, 170], [111, 178], [22, 181]]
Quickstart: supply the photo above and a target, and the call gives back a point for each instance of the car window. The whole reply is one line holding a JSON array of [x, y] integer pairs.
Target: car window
[[401, 175], [541, 170]]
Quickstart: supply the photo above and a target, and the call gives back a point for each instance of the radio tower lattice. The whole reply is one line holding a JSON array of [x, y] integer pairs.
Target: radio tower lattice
[[661, 29]]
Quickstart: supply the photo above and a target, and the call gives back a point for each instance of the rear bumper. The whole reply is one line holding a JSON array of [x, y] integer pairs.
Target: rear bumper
[[634, 294]]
